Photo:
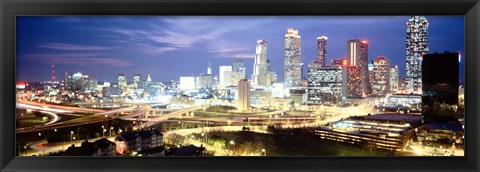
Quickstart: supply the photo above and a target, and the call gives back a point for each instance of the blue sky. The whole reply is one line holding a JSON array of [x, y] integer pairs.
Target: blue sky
[[167, 47]]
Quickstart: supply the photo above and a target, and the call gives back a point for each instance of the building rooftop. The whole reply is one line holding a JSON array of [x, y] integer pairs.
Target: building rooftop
[[142, 134], [444, 126]]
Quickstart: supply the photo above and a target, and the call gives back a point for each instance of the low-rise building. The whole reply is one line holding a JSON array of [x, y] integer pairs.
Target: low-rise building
[[101, 147], [380, 133], [137, 141]]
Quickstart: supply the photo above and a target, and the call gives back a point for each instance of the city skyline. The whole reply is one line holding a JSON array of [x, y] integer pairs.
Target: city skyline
[[80, 50]]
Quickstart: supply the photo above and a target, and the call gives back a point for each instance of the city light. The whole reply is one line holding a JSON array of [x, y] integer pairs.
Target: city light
[[369, 103]]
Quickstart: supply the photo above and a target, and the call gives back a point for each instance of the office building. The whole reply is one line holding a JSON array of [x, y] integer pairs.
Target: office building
[[260, 66], [238, 71], [322, 50], [225, 76], [326, 84], [93, 84], [122, 82], [357, 51], [137, 78], [243, 95], [354, 82], [440, 77], [206, 80], [387, 132], [416, 47], [394, 79], [187, 83], [292, 61], [381, 76]]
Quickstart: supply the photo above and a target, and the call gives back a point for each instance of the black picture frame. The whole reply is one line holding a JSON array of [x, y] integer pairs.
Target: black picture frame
[[11, 8]]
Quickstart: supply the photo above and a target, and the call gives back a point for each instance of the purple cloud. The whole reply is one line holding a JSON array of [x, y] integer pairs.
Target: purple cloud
[[92, 59], [71, 47]]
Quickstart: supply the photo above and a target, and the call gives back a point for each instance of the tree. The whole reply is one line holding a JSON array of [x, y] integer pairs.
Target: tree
[[175, 139]]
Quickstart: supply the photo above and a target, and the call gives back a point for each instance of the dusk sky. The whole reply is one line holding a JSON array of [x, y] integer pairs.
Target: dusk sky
[[169, 47]]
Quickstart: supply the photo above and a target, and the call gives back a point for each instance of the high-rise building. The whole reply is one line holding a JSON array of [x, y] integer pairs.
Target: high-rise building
[[358, 54], [136, 81], [440, 83], [225, 74], [394, 79], [322, 50], [238, 71], [122, 82], [371, 74], [292, 61], [209, 69], [243, 95], [187, 83], [381, 77], [354, 82], [237, 66], [93, 84], [260, 66], [417, 46], [326, 84], [206, 80]]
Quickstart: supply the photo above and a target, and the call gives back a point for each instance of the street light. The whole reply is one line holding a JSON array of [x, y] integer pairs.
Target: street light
[[71, 136], [264, 151], [111, 128], [103, 133], [232, 142]]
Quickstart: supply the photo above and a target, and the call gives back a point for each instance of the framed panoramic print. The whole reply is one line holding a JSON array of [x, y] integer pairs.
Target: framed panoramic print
[[239, 85]]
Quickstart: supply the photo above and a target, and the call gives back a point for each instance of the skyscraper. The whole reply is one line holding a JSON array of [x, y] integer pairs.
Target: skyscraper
[[187, 83], [209, 69], [243, 95], [292, 62], [225, 74], [136, 81], [260, 66], [417, 46], [206, 80], [354, 82], [326, 84], [238, 71], [239, 66], [322, 50], [381, 77], [358, 54], [122, 81], [394, 79]]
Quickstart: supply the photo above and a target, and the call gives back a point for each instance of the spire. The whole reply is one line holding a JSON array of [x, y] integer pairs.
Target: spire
[[149, 79], [209, 69]]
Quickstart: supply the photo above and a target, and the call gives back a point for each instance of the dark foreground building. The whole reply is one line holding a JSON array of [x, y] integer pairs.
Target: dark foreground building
[[440, 84], [101, 147]]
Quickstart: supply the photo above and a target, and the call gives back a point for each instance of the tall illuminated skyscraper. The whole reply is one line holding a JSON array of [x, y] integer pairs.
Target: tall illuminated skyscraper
[[358, 54], [417, 46], [136, 81], [293, 61], [322, 50], [122, 81], [260, 66], [381, 69], [394, 79]]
